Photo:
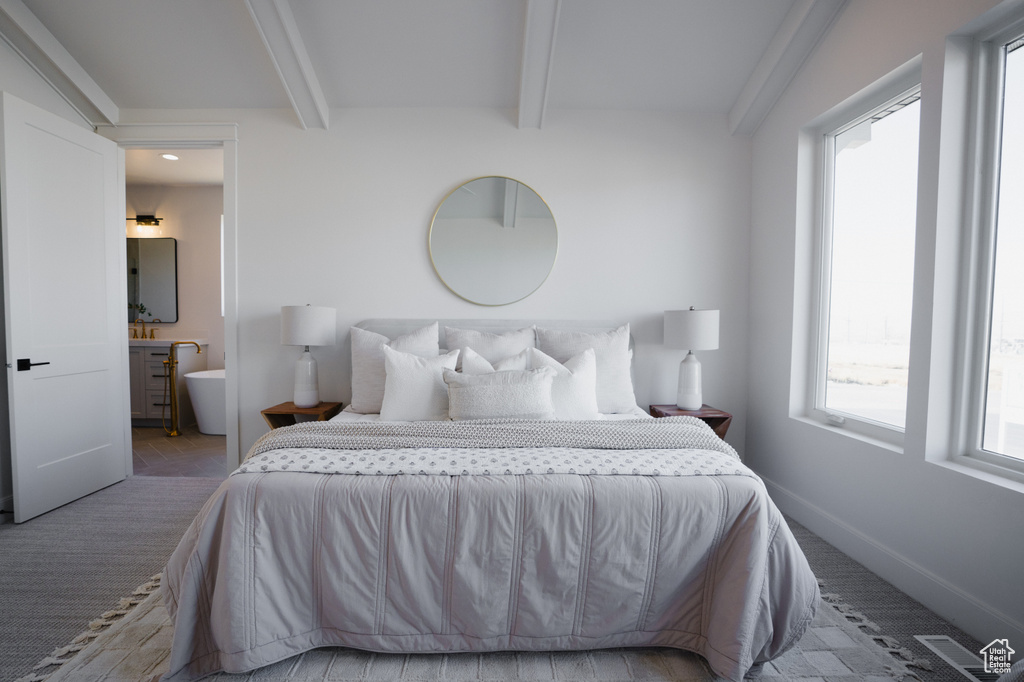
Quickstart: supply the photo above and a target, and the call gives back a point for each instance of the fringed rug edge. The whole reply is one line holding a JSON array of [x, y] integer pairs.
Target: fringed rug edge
[[869, 628], [62, 655]]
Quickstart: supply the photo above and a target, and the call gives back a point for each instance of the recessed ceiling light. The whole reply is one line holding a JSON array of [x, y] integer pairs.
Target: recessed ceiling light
[[169, 157]]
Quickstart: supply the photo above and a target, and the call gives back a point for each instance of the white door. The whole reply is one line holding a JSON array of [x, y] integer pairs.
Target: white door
[[65, 309]]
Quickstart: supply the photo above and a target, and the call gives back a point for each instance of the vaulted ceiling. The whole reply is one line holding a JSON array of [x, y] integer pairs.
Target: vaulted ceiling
[[534, 56]]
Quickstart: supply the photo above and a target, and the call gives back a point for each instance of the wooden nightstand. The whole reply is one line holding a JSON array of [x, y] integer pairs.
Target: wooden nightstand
[[285, 413], [717, 419]]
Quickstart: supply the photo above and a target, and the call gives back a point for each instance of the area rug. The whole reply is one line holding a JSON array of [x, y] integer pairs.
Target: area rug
[[131, 643]]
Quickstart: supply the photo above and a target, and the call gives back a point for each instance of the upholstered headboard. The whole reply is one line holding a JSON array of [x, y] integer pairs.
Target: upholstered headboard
[[397, 326]]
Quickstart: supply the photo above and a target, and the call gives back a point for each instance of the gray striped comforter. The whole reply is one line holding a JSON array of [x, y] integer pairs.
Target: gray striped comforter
[[283, 561]]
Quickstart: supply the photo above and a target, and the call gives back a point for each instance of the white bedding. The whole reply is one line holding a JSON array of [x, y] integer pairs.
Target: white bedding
[[496, 448]]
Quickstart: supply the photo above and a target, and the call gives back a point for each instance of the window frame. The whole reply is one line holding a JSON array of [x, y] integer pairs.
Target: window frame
[[988, 59], [899, 85]]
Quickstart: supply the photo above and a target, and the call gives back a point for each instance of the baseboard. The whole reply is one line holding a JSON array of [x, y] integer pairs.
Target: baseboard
[[976, 618], [7, 503]]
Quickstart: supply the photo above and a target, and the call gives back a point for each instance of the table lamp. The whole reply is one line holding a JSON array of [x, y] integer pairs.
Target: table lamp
[[691, 330], [306, 325]]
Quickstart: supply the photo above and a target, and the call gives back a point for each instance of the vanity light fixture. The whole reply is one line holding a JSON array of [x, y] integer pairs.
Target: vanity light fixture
[[169, 157], [691, 330], [307, 325], [146, 220]]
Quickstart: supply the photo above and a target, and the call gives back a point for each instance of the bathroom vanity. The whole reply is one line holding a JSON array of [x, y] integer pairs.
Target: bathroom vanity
[[146, 370]]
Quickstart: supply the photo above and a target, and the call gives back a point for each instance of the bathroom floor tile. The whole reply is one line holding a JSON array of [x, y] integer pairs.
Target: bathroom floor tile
[[154, 453]]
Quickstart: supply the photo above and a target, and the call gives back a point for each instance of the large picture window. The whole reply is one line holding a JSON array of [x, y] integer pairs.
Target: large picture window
[[1002, 422], [867, 261]]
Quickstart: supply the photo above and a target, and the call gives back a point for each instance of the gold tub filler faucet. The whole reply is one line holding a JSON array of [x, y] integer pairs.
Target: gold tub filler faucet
[[171, 379]]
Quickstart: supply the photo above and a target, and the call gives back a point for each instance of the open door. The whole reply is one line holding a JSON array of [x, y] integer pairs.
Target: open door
[[64, 309]]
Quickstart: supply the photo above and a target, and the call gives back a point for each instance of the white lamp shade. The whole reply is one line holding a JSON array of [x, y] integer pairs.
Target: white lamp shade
[[307, 325], [691, 329]]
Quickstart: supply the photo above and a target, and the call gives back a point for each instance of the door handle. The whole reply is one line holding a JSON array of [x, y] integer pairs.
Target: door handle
[[25, 364]]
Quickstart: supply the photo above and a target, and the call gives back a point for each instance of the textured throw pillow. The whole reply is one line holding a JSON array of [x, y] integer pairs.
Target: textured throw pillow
[[368, 362], [474, 363], [614, 383], [574, 389], [492, 347], [513, 394], [414, 388]]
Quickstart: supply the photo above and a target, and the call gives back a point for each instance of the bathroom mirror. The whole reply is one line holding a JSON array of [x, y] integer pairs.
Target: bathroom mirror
[[152, 279], [493, 241]]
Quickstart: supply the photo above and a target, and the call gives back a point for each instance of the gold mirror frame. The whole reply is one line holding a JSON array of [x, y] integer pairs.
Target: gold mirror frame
[[493, 241]]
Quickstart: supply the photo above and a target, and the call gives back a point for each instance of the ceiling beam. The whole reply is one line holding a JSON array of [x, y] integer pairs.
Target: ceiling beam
[[23, 31], [276, 24], [538, 54], [803, 27]]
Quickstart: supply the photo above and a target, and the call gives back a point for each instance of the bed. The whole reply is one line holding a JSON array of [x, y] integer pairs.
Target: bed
[[539, 510]]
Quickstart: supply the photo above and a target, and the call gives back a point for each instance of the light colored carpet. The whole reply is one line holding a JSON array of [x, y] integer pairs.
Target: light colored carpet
[[61, 569], [133, 643]]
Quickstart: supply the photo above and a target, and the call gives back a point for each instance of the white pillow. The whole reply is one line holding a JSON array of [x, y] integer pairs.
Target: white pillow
[[614, 383], [474, 363], [493, 347], [368, 362], [513, 394], [574, 389], [414, 388]]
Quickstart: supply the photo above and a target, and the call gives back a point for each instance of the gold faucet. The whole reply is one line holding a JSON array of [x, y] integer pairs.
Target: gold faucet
[[152, 330], [135, 331], [171, 372]]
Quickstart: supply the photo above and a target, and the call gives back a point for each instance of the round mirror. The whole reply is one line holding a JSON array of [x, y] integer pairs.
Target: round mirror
[[493, 241]]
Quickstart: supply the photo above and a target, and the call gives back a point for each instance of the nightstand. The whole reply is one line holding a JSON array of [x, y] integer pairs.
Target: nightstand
[[285, 414], [717, 419]]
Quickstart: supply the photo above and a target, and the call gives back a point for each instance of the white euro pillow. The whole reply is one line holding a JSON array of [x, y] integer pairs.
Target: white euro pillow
[[611, 350], [474, 363], [368, 362], [512, 394], [414, 388], [574, 388], [491, 346]]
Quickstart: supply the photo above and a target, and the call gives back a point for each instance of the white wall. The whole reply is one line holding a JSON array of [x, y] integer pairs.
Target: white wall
[[941, 535], [652, 213], [190, 214]]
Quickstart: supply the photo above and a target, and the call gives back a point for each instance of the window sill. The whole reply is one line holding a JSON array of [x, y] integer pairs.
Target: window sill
[[847, 431], [984, 471]]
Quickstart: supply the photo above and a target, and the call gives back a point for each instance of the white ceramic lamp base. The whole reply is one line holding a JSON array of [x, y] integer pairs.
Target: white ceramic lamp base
[[689, 396], [307, 387]]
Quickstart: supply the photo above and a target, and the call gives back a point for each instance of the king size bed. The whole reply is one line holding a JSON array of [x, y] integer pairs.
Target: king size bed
[[545, 513]]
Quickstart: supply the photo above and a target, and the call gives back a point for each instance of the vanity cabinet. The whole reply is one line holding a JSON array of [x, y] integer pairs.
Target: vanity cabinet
[[148, 396]]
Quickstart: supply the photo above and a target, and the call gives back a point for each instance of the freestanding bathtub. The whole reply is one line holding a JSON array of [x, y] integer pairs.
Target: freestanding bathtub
[[206, 389]]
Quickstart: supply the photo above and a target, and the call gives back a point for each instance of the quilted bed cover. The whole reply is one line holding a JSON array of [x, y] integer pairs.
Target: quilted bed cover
[[622, 534]]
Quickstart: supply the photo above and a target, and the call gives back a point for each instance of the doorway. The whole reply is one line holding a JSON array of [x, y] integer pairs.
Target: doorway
[[174, 210], [163, 138]]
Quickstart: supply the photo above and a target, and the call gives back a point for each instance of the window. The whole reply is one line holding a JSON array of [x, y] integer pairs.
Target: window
[[999, 381], [869, 210]]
